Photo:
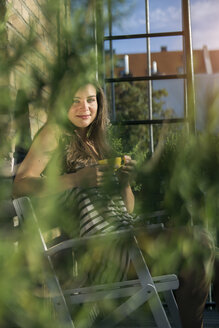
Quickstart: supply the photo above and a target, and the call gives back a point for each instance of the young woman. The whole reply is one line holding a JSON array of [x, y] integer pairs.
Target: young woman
[[73, 151], [77, 147], [86, 145]]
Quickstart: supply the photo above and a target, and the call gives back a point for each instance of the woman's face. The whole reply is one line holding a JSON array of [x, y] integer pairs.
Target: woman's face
[[84, 107]]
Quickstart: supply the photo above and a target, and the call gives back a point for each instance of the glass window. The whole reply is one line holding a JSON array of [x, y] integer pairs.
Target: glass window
[[165, 16], [169, 94], [130, 100], [167, 43], [126, 58], [128, 17], [139, 91]]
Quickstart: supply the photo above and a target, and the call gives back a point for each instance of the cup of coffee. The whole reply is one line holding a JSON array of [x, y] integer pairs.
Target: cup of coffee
[[115, 162]]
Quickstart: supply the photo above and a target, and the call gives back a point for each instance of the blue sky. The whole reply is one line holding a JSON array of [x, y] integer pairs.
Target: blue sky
[[165, 15]]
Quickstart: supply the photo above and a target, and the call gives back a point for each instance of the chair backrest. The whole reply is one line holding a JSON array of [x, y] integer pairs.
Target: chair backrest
[[146, 285]]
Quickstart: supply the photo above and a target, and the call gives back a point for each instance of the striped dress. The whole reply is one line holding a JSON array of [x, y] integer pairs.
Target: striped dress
[[101, 213], [96, 211]]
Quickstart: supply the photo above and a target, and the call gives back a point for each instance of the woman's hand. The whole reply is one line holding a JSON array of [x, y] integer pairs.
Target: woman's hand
[[124, 175], [88, 177], [126, 171]]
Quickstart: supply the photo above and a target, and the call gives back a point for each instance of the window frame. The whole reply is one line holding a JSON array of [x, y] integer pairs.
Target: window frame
[[188, 76]]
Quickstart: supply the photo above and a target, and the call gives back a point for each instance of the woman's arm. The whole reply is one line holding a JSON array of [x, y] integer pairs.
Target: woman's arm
[[124, 176], [28, 180], [128, 198]]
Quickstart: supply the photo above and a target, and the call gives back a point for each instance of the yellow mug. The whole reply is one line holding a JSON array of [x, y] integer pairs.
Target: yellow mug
[[116, 162]]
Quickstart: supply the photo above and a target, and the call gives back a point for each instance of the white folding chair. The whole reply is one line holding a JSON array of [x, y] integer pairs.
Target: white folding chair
[[135, 292]]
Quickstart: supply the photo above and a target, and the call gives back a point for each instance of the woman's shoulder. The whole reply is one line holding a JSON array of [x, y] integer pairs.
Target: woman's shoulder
[[48, 136], [52, 129]]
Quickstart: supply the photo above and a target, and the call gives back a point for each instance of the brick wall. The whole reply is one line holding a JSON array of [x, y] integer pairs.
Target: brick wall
[[24, 15]]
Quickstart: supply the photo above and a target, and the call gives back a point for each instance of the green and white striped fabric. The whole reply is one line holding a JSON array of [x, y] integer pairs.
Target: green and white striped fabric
[[101, 213]]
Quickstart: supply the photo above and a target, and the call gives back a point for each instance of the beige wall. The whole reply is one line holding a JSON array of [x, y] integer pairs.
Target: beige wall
[[22, 16]]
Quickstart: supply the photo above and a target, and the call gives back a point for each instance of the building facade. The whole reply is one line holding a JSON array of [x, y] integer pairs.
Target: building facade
[[167, 62], [30, 36]]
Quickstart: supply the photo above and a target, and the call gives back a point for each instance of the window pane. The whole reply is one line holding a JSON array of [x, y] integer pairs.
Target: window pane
[[165, 16], [126, 57], [129, 46], [129, 56], [167, 59], [131, 100], [170, 98], [166, 43], [132, 139], [175, 128], [128, 17]]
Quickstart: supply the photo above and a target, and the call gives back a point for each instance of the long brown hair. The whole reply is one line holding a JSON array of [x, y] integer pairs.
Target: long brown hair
[[77, 150]]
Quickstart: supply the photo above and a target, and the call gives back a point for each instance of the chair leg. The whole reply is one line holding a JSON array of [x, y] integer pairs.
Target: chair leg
[[149, 294], [145, 279], [158, 311], [25, 210], [59, 303], [173, 307]]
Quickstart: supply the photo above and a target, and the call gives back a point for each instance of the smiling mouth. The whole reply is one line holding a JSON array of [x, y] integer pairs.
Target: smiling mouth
[[83, 117]]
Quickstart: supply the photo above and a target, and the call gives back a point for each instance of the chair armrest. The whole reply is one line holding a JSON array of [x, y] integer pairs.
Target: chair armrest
[[125, 234]]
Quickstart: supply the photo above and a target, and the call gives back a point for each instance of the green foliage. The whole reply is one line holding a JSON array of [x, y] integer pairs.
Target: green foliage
[[181, 177], [45, 82], [183, 180]]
